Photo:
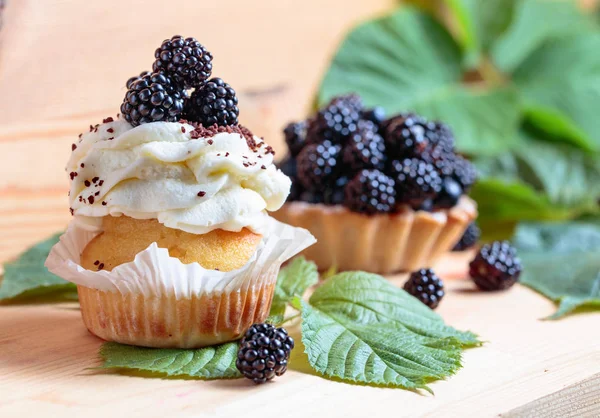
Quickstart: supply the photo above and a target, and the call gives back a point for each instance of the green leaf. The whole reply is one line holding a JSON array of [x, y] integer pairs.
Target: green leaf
[[560, 84], [534, 22], [216, 362], [480, 24], [360, 328], [562, 262], [293, 280], [407, 61], [27, 277], [538, 180]]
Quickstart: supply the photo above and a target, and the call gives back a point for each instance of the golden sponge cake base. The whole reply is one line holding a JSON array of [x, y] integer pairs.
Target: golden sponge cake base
[[166, 320], [123, 238]]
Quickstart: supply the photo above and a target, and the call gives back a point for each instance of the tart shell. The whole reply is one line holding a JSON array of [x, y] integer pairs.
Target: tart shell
[[383, 243]]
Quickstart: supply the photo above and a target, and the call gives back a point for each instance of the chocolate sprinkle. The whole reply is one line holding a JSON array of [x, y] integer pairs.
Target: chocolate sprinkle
[[183, 129], [95, 179], [103, 203], [201, 194], [96, 194], [72, 211], [87, 183], [73, 147], [263, 167], [208, 132], [82, 165], [91, 200], [108, 120], [110, 130], [96, 262], [101, 183], [101, 266], [73, 174]]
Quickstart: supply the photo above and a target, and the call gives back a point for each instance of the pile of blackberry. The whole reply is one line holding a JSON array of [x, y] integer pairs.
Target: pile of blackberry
[[179, 87], [354, 156]]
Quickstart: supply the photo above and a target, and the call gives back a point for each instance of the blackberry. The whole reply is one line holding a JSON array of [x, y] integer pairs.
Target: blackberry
[[136, 78], [295, 135], [496, 266], [416, 181], [375, 115], [213, 103], [426, 286], [448, 195], [443, 137], [408, 135], [318, 164], [288, 167], [311, 196], [264, 352], [335, 122], [186, 60], [334, 194], [464, 172], [152, 98], [365, 149], [370, 191], [469, 238]]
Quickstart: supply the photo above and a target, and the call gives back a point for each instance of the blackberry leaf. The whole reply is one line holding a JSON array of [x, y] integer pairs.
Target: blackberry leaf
[[360, 328]]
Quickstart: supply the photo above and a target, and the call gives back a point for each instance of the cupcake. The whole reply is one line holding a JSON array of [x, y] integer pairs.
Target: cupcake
[[171, 244], [380, 194]]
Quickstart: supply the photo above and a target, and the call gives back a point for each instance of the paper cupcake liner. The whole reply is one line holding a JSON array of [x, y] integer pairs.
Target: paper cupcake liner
[[157, 301], [385, 243]]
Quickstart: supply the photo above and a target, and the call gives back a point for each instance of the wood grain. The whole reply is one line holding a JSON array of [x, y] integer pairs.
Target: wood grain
[[63, 64], [577, 401]]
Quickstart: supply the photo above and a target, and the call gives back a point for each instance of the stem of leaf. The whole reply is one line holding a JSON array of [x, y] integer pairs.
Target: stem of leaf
[[290, 318], [490, 74]]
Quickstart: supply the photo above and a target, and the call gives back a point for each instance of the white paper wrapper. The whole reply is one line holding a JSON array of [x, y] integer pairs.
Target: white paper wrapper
[[154, 272], [157, 301]]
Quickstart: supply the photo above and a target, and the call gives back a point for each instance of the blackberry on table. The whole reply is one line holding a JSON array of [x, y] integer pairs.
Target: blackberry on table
[[365, 148], [264, 352], [426, 286], [449, 194], [152, 98], [407, 135], [295, 136], [496, 266], [469, 238], [318, 165], [213, 103], [185, 59], [370, 192], [335, 122], [416, 181]]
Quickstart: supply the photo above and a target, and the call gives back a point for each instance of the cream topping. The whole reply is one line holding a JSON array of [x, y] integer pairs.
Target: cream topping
[[162, 170]]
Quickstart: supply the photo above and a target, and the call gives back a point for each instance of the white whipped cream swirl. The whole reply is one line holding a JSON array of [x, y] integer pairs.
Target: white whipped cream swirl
[[156, 170]]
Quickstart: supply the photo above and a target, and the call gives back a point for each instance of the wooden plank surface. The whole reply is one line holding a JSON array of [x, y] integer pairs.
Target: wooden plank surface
[[63, 65]]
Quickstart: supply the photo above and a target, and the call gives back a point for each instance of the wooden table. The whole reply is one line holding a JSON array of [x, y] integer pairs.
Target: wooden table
[[63, 65]]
